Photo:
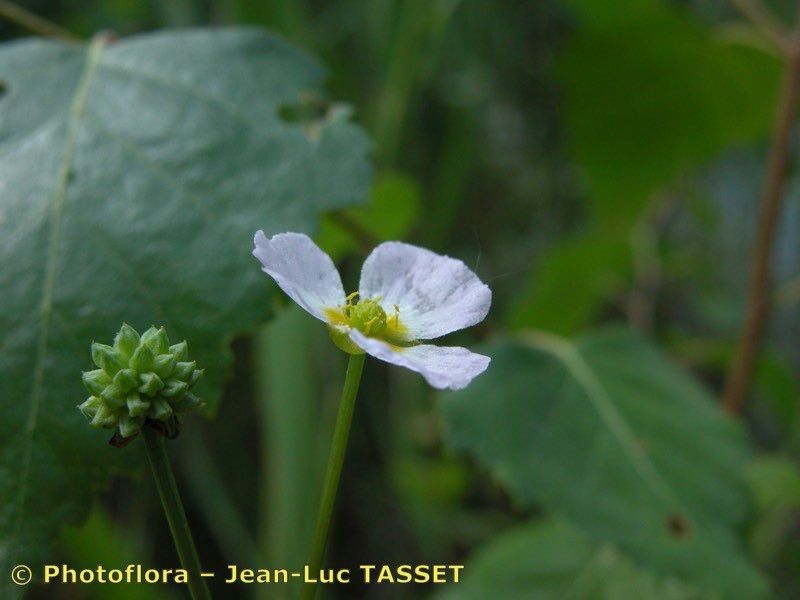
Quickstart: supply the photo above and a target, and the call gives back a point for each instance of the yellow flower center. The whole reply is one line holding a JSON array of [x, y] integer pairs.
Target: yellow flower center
[[368, 316]]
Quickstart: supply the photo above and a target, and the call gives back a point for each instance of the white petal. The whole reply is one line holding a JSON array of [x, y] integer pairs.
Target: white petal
[[443, 367], [436, 294], [302, 270]]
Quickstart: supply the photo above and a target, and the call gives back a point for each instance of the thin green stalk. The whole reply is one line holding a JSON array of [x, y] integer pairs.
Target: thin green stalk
[[292, 448], [176, 516], [33, 22], [402, 70], [334, 470]]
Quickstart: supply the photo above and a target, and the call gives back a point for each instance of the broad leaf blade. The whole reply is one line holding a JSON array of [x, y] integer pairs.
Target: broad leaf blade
[[609, 432], [134, 174], [552, 559]]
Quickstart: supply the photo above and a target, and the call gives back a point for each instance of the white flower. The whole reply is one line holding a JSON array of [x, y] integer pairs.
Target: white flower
[[406, 294]]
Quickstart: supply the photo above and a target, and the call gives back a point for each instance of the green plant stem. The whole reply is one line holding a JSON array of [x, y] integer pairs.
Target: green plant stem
[[176, 516], [33, 22], [334, 470]]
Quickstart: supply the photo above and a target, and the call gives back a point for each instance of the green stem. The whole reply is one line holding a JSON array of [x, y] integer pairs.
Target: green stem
[[33, 22], [176, 516], [334, 470]]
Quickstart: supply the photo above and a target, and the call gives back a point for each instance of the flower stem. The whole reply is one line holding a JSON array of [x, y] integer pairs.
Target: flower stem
[[176, 516], [334, 470]]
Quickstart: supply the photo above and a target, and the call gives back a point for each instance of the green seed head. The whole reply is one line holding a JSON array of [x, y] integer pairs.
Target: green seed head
[[368, 317], [139, 378]]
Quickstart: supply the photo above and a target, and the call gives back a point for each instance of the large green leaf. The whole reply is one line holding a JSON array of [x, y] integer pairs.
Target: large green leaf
[[133, 175], [629, 447], [651, 93], [573, 281], [553, 560]]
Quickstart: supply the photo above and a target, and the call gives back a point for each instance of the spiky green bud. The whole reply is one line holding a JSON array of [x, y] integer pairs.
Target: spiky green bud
[[160, 410], [137, 406], [139, 379], [130, 426], [126, 380], [151, 384], [143, 359], [113, 396], [180, 351], [90, 407], [96, 381], [156, 339], [195, 376], [164, 365], [126, 341], [106, 358], [184, 370], [175, 388]]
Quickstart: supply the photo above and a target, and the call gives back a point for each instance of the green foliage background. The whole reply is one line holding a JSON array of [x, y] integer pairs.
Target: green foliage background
[[597, 163]]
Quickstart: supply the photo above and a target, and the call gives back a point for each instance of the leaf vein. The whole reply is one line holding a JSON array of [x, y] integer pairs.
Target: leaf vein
[[46, 303], [607, 411]]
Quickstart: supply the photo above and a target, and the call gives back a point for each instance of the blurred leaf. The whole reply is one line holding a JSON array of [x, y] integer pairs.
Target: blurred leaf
[[426, 483], [293, 429], [134, 175], [552, 559], [596, 15], [776, 389], [412, 53], [572, 281], [775, 481], [208, 488], [392, 211], [100, 542], [650, 93], [609, 432], [287, 17]]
